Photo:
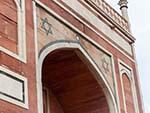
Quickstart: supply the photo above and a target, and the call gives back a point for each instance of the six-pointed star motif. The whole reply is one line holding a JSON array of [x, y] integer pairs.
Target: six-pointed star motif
[[46, 26]]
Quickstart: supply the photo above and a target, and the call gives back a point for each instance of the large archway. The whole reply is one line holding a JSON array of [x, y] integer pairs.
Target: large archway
[[72, 87], [71, 83]]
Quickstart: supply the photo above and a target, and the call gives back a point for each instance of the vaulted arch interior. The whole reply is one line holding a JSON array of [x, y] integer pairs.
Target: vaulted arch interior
[[69, 85]]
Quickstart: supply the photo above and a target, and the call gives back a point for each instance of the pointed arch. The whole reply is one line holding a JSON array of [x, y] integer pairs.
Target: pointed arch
[[128, 88], [128, 93], [98, 75]]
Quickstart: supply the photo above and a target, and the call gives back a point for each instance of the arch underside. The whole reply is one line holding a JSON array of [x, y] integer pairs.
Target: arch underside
[[72, 86]]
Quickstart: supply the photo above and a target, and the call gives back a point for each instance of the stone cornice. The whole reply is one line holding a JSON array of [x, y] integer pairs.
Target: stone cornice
[[112, 16]]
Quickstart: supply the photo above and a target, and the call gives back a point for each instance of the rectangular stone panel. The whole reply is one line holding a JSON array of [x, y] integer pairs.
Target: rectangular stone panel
[[13, 87]]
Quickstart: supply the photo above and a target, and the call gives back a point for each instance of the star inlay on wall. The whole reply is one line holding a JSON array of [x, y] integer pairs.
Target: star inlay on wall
[[46, 26], [105, 65]]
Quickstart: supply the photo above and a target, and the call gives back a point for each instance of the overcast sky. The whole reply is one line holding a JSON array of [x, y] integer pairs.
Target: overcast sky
[[139, 14]]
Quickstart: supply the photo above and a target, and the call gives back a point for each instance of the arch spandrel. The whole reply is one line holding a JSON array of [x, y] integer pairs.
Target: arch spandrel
[[50, 29]]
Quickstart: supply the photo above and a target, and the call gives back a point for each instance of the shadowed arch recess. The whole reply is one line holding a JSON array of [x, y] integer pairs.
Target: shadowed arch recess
[[72, 86], [49, 48]]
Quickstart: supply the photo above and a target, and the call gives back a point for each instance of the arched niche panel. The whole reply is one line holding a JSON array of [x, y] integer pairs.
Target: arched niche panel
[[12, 28], [128, 93], [128, 88], [9, 25]]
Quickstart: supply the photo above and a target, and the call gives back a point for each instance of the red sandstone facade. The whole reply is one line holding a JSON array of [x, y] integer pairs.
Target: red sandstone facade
[[66, 56]]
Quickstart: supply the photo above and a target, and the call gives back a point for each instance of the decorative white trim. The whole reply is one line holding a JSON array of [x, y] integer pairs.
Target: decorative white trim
[[23, 103], [74, 28], [124, 68], [38, 80], [21, 34], [116, 84]]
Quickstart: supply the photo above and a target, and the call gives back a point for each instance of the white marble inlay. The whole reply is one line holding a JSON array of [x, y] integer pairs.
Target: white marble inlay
[[11, 87]]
